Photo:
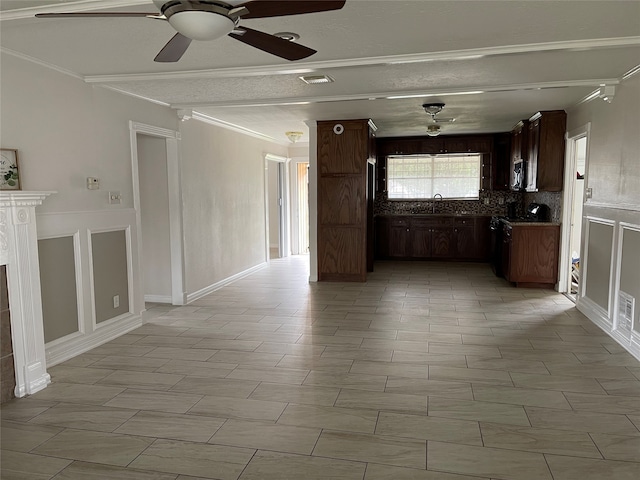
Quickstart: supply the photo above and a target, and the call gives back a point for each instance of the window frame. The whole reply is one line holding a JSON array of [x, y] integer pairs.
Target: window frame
[[479, 155]]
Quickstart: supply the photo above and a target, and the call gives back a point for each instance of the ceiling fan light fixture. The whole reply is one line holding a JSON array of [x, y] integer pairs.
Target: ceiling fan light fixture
[[201, 25], [433, 130], [433, 108]]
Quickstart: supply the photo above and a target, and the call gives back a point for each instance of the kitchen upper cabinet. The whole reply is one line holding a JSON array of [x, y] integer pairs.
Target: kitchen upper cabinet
[[501, 162], [546, 144], [519, 152], [344, 151]]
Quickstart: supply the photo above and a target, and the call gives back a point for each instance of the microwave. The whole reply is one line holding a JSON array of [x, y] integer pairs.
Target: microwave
[[517, 179]]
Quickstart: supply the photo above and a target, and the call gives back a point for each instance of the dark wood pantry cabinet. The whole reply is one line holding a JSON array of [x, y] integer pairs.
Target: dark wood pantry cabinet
[[546, 144]]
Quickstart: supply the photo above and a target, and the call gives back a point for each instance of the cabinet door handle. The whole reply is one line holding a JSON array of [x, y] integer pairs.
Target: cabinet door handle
[[407, 229]]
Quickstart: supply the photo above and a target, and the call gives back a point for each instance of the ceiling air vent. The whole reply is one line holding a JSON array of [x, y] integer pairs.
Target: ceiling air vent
[[315, 79]]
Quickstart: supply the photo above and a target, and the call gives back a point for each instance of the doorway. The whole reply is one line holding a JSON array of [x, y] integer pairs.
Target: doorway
[[156, 200], [277, 207], [577, 147]]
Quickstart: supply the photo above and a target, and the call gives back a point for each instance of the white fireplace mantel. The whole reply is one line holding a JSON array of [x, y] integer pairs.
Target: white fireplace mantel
[[19, 251]]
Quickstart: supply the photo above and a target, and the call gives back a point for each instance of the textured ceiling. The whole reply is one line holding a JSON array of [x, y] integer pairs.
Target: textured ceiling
[[523, 56]]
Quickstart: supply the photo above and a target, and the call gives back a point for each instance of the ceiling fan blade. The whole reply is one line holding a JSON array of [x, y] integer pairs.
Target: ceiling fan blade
[[97, 14], [272, 44], [174, 49], [279, 8]]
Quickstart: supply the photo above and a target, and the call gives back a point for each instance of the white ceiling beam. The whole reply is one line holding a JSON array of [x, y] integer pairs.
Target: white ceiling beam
[[78, 6]]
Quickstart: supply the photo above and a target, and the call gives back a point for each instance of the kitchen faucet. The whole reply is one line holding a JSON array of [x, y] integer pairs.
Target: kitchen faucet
[[433, 204]]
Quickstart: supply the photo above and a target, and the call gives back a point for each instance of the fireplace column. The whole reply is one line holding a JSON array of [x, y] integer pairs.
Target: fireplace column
[[19, 251]]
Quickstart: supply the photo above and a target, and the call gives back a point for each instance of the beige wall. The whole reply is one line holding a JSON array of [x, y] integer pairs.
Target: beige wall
[[154, 216], [274, 210], [224, 206], [58, 287]]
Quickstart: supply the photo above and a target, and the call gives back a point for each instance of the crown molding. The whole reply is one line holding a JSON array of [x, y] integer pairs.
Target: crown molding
[[236, 128], [77, 6], [311, 67], [42, 63]]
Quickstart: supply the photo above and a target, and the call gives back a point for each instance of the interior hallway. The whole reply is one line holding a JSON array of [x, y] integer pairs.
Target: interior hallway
[[433, 366]]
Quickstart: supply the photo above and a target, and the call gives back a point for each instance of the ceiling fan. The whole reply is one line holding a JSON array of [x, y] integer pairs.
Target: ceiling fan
[[210, 19]]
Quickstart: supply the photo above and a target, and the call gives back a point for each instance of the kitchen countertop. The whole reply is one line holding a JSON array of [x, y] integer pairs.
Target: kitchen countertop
[[533, 224], [431, 215]]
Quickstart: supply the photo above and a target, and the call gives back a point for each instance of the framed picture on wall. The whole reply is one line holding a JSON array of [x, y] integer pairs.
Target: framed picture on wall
[[9, 172]]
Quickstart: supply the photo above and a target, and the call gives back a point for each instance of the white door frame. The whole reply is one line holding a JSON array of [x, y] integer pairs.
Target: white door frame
[[567, 202], [171, 137], [296, 247], [285, 228]]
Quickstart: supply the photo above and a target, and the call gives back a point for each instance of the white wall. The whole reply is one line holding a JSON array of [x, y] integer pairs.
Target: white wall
[[614, 175], [224, 206], [154, 216]]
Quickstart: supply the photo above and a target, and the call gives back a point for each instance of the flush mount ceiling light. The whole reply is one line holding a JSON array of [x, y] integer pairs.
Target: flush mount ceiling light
[[433, 108], [294, 136], [316, 79], [207, 23], [433, 130]]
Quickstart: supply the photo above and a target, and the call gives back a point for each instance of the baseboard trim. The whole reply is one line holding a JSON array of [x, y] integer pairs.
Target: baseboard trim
[[634, 346], [63, 351], [595, 313], [192, 297], [158, 299]]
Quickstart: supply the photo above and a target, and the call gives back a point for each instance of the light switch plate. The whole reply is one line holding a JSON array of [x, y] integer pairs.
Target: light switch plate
[[115, 198]]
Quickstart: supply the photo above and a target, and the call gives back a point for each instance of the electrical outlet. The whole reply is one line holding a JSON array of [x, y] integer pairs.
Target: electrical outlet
[[116, 301], [500, 201], [486, 201]]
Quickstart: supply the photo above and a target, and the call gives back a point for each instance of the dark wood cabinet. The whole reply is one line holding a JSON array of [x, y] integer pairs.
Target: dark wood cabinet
[[530, 254], [344, 151], [432, 237], [519, 152], [546, 144], [501, 164]]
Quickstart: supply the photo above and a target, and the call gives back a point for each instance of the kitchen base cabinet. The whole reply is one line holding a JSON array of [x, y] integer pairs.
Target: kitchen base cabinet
[[530, 254], [436, 237]]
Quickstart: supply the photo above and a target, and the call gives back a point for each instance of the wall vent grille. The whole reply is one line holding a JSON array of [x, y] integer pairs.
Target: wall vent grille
[[626, 308]]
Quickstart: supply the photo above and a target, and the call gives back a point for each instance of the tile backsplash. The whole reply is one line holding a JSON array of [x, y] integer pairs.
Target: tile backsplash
[[489, 203]]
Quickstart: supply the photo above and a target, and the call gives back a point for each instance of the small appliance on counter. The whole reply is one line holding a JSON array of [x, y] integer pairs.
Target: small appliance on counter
[[537, 212]]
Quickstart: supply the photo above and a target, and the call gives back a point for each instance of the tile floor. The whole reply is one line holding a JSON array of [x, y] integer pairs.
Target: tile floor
[[428, 371]]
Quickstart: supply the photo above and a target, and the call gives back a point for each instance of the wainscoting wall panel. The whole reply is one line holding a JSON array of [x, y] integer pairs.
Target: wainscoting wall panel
[[106, 264]]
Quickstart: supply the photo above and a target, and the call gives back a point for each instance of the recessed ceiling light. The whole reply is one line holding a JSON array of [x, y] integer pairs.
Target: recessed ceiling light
[[315, 79], [292, 37]]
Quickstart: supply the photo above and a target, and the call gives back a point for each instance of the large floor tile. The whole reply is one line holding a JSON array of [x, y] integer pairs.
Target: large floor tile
[[279, 466], [521, 396], [95, 471], [487, 462], [604, 403], [418, 386], [398, 402], [269, 374], [478, 411], [191, 428], [172, 402], [428, 428], [78, 393], [223, 387], [332, 418], [227, 407], [19, 465], [194, 459], [346, 380], [397, 451], [491, 377], [618, 447], [386, 472], [302, 394], [96, 447], [23, 437], [541, 440], [267, 436], [72, 374], [84, 417], [591, 422], [561, 383], [572, 468]]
